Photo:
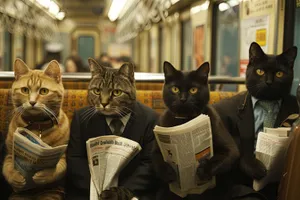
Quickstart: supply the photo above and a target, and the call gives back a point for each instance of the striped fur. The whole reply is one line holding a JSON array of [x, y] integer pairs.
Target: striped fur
[[103, 86], [47, 103]]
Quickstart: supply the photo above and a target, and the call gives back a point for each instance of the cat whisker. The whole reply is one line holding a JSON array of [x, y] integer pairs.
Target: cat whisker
[[89, 118], [88, 109], [49, 112], [88, 115]]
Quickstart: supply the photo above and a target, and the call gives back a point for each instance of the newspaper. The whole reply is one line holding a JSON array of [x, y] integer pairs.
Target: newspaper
[[184, 147], [107, 156], [271, 148], [31, 154]]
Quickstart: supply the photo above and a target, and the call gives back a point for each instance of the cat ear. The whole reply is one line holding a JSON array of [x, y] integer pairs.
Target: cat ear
[[169, 70], [53, 71], [20, 68], [203, 71], [290, 55], [127, 69], [95, 67], [255, 52]]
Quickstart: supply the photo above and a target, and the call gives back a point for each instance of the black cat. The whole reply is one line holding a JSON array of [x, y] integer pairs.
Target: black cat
[[268, 79], [186, 95]]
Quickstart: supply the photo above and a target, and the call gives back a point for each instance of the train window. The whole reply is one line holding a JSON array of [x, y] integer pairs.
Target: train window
[[86, 45], [7, 57], [297, 43], [187, 43], [226, 42]]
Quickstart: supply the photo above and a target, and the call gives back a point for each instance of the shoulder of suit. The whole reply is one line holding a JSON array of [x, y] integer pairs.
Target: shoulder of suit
[[145, 110], [234, 100]]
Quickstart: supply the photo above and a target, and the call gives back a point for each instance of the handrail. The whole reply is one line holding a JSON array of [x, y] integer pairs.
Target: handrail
[[139, 77]]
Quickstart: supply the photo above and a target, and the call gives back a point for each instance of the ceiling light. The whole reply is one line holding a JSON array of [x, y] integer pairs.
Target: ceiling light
[[174, 1], [53, 8], [115, 9], [203, 6], [61, 15], [223, 6], [44, 3]]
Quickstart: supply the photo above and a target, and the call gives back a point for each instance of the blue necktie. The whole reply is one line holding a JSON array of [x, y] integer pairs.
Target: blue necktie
[[269, 118]]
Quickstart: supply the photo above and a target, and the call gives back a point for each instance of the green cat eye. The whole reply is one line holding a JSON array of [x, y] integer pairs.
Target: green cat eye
[[117, 92], [96, 91], [44, 91], [279, 74], [193, 90], [175, 90], [260, 72], [25, 90]]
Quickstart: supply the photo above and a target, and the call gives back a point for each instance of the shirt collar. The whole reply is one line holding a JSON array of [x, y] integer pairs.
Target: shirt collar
[[255, 100], [123, 119]]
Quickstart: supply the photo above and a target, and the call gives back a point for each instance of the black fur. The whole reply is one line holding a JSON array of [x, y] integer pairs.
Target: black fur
[[184, 106], [268, 86]]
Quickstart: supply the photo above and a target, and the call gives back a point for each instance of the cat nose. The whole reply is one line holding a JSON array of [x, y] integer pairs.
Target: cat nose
[[182, 99], [268, 82], [104, 104], [32, 103]]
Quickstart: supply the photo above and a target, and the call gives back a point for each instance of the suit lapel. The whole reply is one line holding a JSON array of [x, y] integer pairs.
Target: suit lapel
[[246, 124], [287, 108], [132, 129], [97, 126]]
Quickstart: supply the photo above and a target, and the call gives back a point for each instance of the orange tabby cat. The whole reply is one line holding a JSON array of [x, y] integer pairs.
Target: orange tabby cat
[[37, 98]]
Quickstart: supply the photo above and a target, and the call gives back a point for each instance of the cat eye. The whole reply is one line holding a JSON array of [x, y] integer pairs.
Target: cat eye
[[25, 90], [44, 91], [279, 74], [260, 72], [193, 90], [117, 92], [96, 91], [175, 90]]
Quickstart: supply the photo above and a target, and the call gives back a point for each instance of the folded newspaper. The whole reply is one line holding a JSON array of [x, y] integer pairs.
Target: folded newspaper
[[107, 156], [184, 147], [271, 148], [31, 154]]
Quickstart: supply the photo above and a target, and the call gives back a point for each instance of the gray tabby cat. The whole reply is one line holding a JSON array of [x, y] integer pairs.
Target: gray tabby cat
[[118, 89], [117, 93]]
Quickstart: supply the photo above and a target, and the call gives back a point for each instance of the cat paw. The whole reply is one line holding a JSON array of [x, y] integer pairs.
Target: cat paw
[[17, 181], [166, 172], [253, 168], [44, 176], [116, 193], [202, 171]]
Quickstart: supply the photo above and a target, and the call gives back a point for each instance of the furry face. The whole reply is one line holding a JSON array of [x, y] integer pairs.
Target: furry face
[[112, 91], [36, 93], [270, 77], [186, 93]]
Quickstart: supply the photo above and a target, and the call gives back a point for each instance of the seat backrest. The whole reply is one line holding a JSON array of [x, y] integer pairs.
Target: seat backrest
[[75, 99]]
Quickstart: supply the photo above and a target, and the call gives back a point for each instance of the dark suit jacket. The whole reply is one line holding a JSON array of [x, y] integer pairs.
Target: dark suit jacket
[[137, 175], [237, 115]]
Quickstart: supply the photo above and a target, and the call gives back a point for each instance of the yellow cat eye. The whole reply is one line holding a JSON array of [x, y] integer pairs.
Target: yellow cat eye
[[117, 92], [44, 91], [279, 74], [25, 90], [97, 91], [175, 90], [260, 72], [193, 90]]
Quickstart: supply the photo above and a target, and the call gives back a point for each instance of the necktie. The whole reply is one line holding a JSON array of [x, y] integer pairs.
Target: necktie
[[269, 118], [117, 125]]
